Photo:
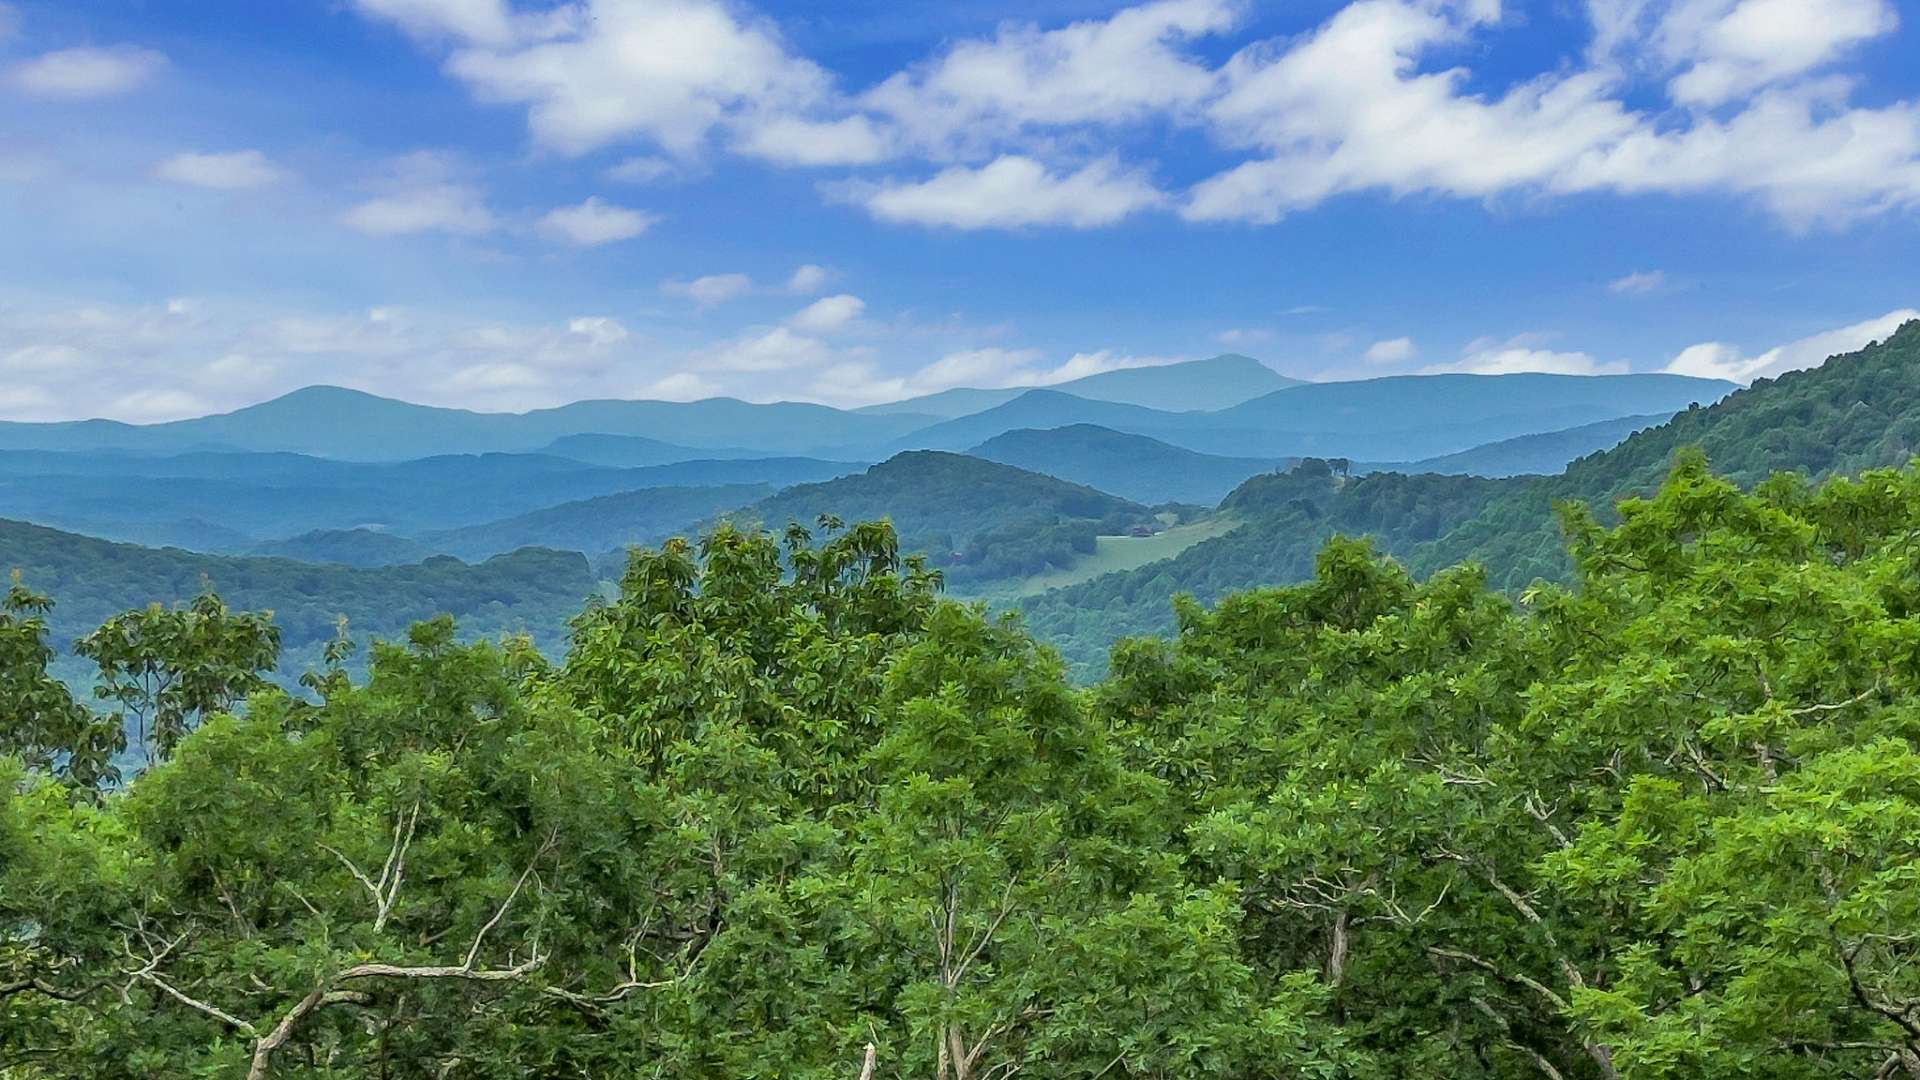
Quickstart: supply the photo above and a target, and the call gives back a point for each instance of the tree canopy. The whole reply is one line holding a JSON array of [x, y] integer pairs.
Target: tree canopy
[[785, 811]]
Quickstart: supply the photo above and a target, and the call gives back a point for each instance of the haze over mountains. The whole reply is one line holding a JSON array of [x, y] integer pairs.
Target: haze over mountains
[[1007, 491], [1394, 418]]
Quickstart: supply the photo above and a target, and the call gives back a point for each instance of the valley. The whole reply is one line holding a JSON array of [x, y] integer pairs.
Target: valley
[[1014, 496]]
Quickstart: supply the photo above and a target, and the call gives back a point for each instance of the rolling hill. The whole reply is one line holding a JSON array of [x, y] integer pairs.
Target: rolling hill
[[1131, 466], [1857, 411], [634, 451], [257, 498], [1535, 455], [533, 591], [978, 520], [595, 525]]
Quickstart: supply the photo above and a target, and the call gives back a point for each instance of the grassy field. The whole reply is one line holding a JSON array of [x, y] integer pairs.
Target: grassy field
[[1111, 554]]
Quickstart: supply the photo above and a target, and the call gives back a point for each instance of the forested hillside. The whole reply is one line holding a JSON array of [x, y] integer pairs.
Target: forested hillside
[[1854, 412], [531, 591], [1131, 466], [976, 520], [643, 517], [1544, 454], [783, 811]]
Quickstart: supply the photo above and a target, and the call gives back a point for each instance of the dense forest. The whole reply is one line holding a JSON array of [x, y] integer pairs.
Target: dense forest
[[978, 521], [531, 591], [1854, 412], [785, 811]]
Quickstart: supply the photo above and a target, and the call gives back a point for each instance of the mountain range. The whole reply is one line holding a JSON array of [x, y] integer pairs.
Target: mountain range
[[330, 502], [1856, 411], [1386, 419]]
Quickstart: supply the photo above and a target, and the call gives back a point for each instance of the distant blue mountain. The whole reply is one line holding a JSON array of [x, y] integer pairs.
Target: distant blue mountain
[[1398, 418], [327, 421], [1546, 454], [1194, 384]]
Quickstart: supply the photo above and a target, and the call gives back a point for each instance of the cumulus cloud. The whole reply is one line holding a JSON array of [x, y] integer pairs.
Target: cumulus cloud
[[711, 289], [446, 208], [779, 349], [182, 358], [1121, 69], [233, 171], [603, 71], [1728, 48], [1392, 351], [793, 140], [595, 222], [828, 315], [1349, 108], [1012, 192], [681, 386], [1524, 353], [1638, 283], [1719, 360], [644, 169], [807, 279], [87, 72], [1671, 96], [487, 22]]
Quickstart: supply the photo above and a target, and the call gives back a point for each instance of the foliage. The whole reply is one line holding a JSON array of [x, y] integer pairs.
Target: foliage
[[532, 591], [783, 810], [169, 668], [40, 722]]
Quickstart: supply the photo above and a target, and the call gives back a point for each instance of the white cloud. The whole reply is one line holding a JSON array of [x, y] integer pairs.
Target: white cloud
[[681, 386], [1099, 71], [1523, 353], [807, 279], [828, 315], [233, 171], [1392, 351], [448, 208], [791, 140], [989, 367], [482, 21], [1012, 192], [997, 367], [1240, 339], [644, 169], [778, 349], [598, 331], [1370, 100], [595, 222], [1733, 47], [181, 358], [1348, 108], [87, 72], [711, 289], [1719, 360], [606, 70], [1638, 283]]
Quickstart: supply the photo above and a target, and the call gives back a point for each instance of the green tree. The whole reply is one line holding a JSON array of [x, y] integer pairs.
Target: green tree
[[169, 668], [40, 722]]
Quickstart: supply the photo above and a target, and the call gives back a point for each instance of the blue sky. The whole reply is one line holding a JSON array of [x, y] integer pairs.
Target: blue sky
[[507, 205]]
